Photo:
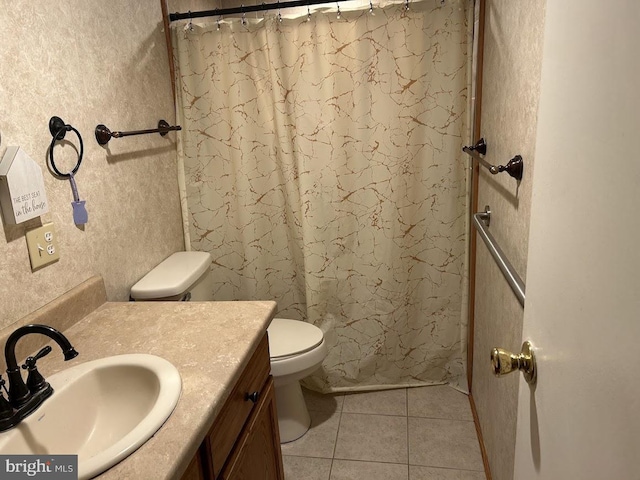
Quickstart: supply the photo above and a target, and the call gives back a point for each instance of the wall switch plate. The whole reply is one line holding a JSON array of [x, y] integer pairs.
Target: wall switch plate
[[42, 243]]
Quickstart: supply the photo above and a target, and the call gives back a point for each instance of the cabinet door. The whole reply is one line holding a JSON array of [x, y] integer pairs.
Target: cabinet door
[[195, 469], [233, 418], [257, 453]]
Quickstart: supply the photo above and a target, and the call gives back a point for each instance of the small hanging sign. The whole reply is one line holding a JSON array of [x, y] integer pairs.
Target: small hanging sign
[[22, 194]]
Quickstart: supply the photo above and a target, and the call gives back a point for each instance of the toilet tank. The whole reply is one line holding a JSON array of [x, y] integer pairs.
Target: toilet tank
[[180, 277]]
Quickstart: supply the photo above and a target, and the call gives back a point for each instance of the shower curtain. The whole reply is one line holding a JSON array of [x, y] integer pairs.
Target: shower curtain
[[321, 167]]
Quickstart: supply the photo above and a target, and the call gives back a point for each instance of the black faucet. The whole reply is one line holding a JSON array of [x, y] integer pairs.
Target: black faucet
[[25, 398]]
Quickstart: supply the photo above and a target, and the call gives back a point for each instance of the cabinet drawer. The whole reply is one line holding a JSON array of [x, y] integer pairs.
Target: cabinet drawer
[[237, 408]]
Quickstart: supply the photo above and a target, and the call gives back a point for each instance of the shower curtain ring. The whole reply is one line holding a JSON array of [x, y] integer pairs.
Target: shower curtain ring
[[406, 5], [308, 13], [244, 15], [218, 22], [189, 26], [371, 7], [338, 15]]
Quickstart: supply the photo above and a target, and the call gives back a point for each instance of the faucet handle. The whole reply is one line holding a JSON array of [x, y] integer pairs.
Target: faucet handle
[[2, 386], [30, 362], [6, 410], [35, 380]]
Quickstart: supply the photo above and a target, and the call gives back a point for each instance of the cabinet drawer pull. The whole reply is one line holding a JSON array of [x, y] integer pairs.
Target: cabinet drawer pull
[[252, 396]]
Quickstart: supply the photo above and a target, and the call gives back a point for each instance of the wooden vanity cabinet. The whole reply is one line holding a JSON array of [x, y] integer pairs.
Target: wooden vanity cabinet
[[257, 454], [195, 470], [244, 441]]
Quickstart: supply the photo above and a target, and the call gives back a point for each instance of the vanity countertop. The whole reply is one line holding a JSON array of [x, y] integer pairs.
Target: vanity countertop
[[209, 343]]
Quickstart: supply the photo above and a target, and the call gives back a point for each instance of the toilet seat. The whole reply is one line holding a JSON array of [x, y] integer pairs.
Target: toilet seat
[[298, 366], [296, 349], [289, 338]]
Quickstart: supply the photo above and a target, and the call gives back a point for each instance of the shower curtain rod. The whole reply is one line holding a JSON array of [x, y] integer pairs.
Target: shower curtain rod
[[249, 9]]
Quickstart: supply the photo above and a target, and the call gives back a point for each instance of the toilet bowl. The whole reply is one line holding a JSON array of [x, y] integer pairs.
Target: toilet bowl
[[296, 348]]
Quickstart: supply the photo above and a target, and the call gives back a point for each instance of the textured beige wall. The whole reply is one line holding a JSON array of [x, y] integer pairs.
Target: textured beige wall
[[512, 62], [89, 62], [183, 6]]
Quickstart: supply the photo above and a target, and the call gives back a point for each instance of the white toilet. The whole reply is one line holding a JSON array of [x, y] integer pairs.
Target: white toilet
[[296, 348]]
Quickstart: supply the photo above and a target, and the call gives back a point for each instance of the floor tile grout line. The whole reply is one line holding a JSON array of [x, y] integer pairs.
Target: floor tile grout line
[[335, 445], [402, 416], [406, 399], [300, 455], [454, 469], [393, 415], [307, 456], [378, 414], [375, 461], [398, 415], [438, 467], [442, 467], [441, 418]]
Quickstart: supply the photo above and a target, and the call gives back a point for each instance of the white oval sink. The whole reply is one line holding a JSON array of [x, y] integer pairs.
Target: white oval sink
[[101, 411]]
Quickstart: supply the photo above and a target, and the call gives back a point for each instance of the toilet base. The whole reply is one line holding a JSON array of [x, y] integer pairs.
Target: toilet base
[[293, 416]]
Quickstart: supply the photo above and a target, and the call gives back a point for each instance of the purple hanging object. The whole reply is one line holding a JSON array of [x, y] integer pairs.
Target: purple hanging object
[[80, 215]]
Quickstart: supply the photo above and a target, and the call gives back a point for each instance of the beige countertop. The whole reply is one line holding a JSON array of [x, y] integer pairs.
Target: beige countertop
[[209, 343]]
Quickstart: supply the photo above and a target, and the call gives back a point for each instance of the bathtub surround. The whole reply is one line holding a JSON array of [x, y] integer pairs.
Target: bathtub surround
[[89, 62], [323, 169]]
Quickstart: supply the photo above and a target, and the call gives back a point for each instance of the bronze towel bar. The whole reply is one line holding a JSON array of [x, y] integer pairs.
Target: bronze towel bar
[[103, 134]]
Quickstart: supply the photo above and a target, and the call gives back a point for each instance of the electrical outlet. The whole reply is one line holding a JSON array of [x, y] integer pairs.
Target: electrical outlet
[[43, 246]]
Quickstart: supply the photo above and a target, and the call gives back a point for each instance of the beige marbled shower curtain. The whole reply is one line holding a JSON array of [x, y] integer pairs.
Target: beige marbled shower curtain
[[323, 169]]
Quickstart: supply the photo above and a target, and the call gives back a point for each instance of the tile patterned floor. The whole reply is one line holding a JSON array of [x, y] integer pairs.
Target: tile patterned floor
[[422, 433]]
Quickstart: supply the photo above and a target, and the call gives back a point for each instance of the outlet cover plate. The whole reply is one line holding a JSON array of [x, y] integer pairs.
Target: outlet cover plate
[[42, 243]]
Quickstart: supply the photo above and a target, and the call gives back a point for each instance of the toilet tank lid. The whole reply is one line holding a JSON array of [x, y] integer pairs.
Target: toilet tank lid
[[174, 276]]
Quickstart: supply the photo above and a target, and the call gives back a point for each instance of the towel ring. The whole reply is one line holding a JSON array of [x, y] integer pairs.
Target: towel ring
[[58, 130]]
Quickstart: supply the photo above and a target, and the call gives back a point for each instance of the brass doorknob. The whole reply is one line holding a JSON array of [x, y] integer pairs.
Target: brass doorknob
[[503, 362]]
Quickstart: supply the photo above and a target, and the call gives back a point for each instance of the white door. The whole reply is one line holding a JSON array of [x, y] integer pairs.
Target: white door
[[582, 311]]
